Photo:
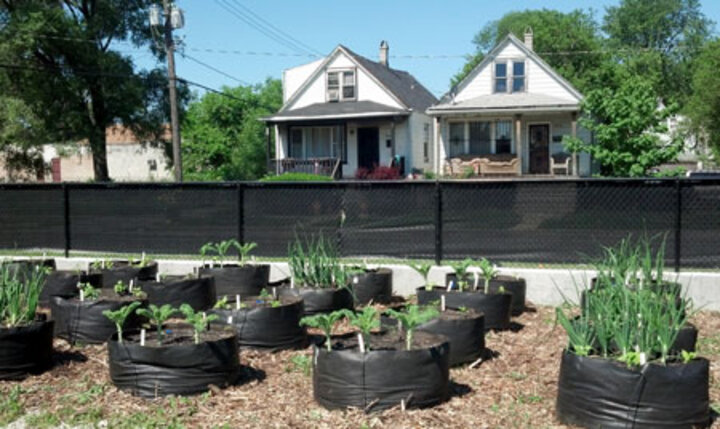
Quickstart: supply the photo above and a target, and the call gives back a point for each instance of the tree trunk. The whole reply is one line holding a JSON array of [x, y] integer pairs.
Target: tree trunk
[[99, 154]]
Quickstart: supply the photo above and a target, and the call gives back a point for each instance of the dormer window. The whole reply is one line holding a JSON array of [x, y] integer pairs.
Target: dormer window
[[500, 77], [341, 85], [518, 76]]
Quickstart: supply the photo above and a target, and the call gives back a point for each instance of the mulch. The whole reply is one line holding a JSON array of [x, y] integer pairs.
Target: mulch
[[515, 387]]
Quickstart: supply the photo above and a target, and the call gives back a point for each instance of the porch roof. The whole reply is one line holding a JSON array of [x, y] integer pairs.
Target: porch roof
[[338, 110], [500, 103]]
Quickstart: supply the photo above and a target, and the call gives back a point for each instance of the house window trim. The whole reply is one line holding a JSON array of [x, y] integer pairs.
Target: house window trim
[[340, 72], [304, 130], [512, 76], [493, 120], [509, 75], [493, 82]]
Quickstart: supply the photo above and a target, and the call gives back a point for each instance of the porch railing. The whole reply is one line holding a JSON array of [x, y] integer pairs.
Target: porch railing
[[322, 166]]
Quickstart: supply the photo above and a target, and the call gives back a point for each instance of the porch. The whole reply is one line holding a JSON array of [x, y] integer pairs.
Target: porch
[[331, 167]]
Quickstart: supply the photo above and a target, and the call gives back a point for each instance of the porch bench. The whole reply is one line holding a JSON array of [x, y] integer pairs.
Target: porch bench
[[499, 164]]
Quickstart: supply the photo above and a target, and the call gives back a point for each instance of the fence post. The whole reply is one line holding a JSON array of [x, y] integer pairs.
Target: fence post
[[438, 223], [241, 213], [678, 223], [66, 216]]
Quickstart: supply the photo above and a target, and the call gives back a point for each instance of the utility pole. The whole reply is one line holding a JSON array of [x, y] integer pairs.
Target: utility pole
[[174, 119]]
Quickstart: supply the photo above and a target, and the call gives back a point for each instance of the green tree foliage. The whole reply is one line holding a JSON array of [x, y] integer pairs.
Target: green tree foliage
[[21, 134], [658, 39], [59, 60], [555, 35], [626, 122], [223, 138], [704, 105]]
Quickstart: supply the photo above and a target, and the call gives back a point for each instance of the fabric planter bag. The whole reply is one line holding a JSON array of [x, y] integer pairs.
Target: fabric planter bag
[[83, 321], [497, 307], [199, 293], [516, 286], [122, 271], [234, 280], [318, 300], [64, 284], [26, 350], [372, 286]]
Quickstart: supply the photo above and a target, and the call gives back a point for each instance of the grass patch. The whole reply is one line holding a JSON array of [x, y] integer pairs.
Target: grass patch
[[11, 407]]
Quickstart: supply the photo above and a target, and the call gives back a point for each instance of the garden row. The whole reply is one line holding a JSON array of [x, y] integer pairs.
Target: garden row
[[630, 347]]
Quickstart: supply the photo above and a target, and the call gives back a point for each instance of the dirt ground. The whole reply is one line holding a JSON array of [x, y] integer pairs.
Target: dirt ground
[[515, 388]]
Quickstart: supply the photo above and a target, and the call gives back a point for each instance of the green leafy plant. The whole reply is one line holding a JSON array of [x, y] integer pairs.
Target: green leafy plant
[[158, 316], [138, 293], [221, 303], [102, 264], [198, 320], [244, 251], [411, 318], [366, 320], [316, 263], [687, 356], [461, 268], [424, 270], [120, 288], [119, 316], [89, 293], [219, 251], [19, 296], [324, 322], [489, 272]]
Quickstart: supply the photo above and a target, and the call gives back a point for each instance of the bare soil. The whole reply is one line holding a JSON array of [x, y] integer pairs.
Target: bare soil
[[515, 387]]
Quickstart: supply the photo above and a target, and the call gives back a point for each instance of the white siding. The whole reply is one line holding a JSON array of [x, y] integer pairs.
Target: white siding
[[367, 88], [538, 80], [294, 78]]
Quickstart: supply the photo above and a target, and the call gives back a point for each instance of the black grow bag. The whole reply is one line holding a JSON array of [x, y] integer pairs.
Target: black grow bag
[[273, 328], [595, 392], [234, 280], [123, 271], [24, 266], [373, 285], [516, 286], [319, 300], [184, 369], [381, 379], [466, 336], [25, 350], [83, 321], [64, 284], [199, 293], [496, 306]]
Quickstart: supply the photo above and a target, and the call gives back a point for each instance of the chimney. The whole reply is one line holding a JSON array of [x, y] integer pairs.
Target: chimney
[[529, 38], [384, 53]]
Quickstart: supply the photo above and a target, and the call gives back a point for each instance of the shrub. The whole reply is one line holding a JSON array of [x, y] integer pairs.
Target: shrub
[[362, 173], [384, 173]]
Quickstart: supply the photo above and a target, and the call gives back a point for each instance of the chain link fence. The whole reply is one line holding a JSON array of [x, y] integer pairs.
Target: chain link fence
[[548, 221]]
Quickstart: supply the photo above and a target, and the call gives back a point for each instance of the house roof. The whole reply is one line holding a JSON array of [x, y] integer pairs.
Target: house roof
[[446, 101], [507, 102], [336, 110], [401, 85]]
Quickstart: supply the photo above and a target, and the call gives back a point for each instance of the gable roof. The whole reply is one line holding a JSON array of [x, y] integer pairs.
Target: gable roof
[[401, 85], [490, 57]]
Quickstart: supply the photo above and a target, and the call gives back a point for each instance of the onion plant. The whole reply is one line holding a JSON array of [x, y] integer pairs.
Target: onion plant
[[324, 322], [316, 263], [119, 316], [158, 316], [198, 320], [411, 318], [19, 296]]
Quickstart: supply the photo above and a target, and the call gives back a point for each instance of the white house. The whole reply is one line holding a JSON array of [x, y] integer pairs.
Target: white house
[[509, 116], [346, 112]]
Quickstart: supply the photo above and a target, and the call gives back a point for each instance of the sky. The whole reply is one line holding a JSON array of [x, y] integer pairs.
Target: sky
[[414, 28]]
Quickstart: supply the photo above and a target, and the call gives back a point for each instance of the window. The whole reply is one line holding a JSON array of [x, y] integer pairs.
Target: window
[[318, 142], [341, 85], [480, 138], [296, 143], [503, 137], [518, 79], [457, 138], [426, 142], [500, 77], [152, 164]]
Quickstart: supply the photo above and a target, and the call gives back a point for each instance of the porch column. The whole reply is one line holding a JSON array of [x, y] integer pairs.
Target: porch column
[[518, 141], [436, 146], [573, 131], [392, 140], [267, 148], [278, 149]]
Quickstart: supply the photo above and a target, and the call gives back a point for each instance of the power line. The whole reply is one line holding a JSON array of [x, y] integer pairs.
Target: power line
[[207, 88], [216, 70], [277, 30], [259, 27]]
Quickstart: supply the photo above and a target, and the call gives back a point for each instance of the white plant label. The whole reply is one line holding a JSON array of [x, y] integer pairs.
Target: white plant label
[[292, 282], [142, 337], [157, 277], [274, 289], [450, 286], [361, 343], [229, 320], [442, 302], [237, 302], [82, 295], [476, 279], [356, 280]]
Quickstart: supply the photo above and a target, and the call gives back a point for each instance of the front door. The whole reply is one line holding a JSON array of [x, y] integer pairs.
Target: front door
[[539, 162], [368, 144]]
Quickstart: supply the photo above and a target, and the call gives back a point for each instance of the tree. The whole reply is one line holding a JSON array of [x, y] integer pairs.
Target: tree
[[223, 136], [57, 58], [663, 37], [703, 107], [556, 36], [626, 123]]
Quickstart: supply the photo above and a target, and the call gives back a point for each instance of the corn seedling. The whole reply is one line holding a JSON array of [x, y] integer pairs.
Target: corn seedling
[[365, 321], [424, 270], [244, 251], [461, 271], [198, 320], [410, 319], [102, 264], [19, 296], [158, 316], [489, 271], [119, 316], [218, 251], [324, 322]]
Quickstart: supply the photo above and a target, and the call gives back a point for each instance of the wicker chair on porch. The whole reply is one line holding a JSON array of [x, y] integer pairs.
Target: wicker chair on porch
[[561, 161]]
